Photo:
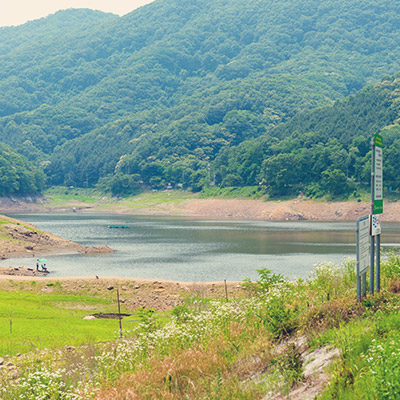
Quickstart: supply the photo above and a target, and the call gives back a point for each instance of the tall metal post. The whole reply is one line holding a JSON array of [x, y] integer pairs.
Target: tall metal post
[[119, 315], [364, 284], [358, 263], [371, 271], [378, 263]]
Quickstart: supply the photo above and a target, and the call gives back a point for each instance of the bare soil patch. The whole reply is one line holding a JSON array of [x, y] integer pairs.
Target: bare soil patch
[[160, 295], [289, 210]]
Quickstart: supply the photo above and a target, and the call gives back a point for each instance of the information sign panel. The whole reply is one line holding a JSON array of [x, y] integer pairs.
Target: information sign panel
[[378, 176], [376, 225], [363, 259]]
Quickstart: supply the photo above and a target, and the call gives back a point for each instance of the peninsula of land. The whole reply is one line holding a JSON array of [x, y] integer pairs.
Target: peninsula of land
[[21, 239]]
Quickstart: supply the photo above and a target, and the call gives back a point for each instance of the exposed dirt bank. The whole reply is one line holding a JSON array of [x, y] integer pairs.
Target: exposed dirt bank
[[149, 293], [288, 210], [18, 238]]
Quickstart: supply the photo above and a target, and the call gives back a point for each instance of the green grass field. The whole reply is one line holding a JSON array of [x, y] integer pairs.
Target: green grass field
[[66, 197], [243, 349], [30, 321], [38, 315], [58, 195]]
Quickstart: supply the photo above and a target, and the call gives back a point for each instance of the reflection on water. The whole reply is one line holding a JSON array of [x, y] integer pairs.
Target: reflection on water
[[197, 250]]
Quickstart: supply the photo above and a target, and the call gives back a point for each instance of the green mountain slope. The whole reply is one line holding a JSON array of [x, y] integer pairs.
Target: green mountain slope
[[157, 94], [323, 151]]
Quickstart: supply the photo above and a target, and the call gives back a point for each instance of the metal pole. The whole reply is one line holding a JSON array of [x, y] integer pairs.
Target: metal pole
[[364, 284], [358, 262], [378, 263], [371, 270], [119, 315]]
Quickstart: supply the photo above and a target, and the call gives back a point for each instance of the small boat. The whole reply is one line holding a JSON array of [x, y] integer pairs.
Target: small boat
[[118, 226]]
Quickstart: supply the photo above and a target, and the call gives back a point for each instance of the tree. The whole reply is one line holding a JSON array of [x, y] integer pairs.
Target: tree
[[334, 181]]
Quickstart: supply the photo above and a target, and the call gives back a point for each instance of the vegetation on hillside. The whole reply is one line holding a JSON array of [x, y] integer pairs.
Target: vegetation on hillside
[[18, 175], [155, 96], [244, 349], [325, 151]]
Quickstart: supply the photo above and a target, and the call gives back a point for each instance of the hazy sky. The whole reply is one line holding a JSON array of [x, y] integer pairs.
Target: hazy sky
[[17, 12]]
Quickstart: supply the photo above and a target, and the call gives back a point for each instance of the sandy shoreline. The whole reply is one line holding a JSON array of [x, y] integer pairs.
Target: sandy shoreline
[[299, 209], [115, 279]]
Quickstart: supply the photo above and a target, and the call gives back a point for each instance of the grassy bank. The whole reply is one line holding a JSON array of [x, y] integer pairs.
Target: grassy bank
[[29, 322], [35, 315], [61, 197], [247, 348]]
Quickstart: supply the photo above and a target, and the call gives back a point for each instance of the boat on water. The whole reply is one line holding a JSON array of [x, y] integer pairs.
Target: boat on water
[[118, 226]]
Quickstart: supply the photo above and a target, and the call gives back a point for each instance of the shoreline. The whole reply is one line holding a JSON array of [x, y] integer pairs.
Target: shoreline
[[20, 239], [122, 280], [299, 209]]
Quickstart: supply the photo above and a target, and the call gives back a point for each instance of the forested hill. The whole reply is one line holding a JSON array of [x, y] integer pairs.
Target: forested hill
[[18, 176], [325, 151], [154, 96]]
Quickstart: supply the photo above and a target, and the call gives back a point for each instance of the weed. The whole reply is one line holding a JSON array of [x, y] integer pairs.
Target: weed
[[146, 317], [265, 283], [320, 317], [181, 313], [290, 365]]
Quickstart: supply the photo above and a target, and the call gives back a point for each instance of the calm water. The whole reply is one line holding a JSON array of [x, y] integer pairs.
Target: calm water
[[196, 250]]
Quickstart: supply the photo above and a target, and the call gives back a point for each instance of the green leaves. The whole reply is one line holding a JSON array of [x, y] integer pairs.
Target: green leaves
[[17, 174]]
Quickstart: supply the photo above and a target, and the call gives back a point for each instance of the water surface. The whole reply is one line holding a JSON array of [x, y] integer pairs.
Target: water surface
[[196, 250]]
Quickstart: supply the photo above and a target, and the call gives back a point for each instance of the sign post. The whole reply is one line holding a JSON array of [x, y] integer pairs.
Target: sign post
[[377, 183], [362, 262], [376, 208]]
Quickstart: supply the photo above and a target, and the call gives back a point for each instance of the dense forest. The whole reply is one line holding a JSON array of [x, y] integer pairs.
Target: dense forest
[[18, 176], [200, 92], [324, 151]]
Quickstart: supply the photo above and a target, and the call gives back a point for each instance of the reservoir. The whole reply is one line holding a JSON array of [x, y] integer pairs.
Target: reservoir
[[190, 250]]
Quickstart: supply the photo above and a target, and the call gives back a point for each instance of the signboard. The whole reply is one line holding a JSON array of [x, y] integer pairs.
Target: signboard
[[376, 225], [378, 176], [363, 258]]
